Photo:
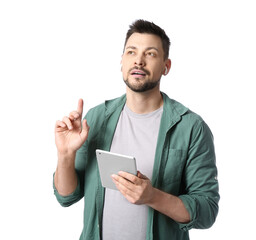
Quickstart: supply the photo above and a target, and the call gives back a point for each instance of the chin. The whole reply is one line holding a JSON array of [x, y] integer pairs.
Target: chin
[[143, 87]]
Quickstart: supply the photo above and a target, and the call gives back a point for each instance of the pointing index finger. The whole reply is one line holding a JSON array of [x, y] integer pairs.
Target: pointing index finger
[[80, 106]]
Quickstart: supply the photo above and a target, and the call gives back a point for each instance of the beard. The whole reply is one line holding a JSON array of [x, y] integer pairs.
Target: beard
[[141, 87]]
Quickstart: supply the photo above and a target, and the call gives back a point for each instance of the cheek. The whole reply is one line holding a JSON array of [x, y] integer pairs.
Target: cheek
[[157, 72], [124, 66], [124, 71]]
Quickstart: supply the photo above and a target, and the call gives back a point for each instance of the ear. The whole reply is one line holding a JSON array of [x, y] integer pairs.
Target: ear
[[167, 68]]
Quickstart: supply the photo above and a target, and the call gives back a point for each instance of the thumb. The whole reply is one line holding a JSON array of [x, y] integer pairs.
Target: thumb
[[140, 175], [85, 130]]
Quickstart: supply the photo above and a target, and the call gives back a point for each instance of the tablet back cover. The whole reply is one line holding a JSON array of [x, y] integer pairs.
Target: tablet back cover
[[111, 163]]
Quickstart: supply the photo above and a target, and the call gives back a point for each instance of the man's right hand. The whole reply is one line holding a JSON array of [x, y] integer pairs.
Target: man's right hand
[[70, 134]]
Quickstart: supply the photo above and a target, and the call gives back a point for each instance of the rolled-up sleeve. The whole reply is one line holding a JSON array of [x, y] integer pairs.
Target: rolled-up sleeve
[[70, 199], [201, 195]]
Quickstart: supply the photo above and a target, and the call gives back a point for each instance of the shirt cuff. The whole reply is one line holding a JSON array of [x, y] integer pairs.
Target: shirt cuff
[[68, 200], [191, 206]]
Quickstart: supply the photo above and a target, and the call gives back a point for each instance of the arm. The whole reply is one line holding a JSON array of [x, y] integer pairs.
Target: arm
[[162, 201], [201, 193], [138, 190], [65, 179], [69, 137]]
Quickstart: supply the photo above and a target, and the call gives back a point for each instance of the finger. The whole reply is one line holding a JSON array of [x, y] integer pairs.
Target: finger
[[132, 178], [122, 188], [68, 122], [140, 175], [60, 124], [74, 115], [123, 181], [80, 106], [85, 130], [128, 193]]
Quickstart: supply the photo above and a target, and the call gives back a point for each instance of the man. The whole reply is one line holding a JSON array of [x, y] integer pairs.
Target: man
[[176, 187]]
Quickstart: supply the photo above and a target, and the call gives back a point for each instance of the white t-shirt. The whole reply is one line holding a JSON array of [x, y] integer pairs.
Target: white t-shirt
[[135, 135]]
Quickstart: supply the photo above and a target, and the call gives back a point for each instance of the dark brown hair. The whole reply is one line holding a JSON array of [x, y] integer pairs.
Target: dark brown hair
[[142, 26]]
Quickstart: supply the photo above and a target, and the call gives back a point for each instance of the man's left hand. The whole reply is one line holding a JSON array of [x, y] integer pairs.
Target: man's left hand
[[136, 189]]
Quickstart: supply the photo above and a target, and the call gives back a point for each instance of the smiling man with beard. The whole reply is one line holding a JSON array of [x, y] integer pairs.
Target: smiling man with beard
[[176, 187]]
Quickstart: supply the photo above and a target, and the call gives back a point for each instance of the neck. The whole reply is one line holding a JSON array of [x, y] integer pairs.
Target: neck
[[144, 102]]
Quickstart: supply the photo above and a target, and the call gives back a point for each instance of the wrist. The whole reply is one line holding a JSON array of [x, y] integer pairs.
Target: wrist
[[153, 197], [66, 159]]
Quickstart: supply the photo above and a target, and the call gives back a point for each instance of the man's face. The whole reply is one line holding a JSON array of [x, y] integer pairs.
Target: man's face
[[143, 62]]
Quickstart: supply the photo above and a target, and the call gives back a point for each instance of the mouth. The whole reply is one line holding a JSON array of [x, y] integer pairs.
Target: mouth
[[137, 72]]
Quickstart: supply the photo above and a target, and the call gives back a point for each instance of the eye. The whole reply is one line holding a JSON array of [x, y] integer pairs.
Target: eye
[[130, 52], [151, 54]]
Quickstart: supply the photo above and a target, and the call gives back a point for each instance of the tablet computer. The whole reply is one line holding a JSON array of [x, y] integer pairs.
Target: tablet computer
[[111, 163]]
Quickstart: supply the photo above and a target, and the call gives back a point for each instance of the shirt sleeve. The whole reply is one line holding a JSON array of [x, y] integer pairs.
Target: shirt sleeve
[[201, 194], [68, 200]]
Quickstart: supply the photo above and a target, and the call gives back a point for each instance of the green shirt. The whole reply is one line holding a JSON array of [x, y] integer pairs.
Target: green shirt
[[184, 166]]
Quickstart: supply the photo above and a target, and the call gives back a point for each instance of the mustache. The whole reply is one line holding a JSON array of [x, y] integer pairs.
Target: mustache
[[142, 69]]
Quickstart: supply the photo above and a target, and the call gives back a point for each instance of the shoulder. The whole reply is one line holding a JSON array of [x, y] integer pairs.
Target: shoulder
[[186, 118], [177, 110]]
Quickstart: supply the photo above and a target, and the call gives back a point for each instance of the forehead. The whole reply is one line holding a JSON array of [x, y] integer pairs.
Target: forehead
[[144, 41]]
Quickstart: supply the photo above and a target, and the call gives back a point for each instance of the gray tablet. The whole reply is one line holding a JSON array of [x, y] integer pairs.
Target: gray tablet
[[111, 163]]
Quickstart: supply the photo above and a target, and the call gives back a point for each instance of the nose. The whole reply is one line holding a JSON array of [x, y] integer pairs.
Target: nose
[[140, 61]]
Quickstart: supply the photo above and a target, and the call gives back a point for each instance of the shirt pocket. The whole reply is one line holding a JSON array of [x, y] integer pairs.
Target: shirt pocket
[[173, 168]]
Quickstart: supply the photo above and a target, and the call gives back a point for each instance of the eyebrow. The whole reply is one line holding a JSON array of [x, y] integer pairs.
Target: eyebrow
[[147, 49]]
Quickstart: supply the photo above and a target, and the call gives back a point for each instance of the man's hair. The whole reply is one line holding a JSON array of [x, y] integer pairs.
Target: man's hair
[[142, 26]]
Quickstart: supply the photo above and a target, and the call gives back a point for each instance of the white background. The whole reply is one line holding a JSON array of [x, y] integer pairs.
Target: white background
[[54, 52]]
